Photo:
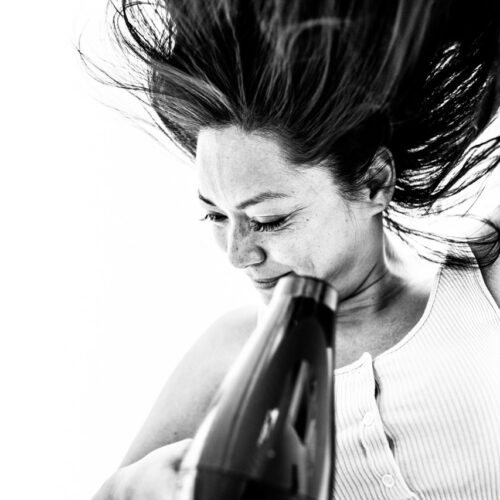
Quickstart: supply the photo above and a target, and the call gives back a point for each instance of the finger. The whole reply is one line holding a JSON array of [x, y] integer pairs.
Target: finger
[[178, 450]]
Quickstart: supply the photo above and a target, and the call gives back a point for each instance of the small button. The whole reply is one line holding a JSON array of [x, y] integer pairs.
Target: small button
[[388, 480], [368, 419]]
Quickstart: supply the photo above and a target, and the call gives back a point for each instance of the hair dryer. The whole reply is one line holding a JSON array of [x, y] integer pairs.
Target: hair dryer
[[269, 434]]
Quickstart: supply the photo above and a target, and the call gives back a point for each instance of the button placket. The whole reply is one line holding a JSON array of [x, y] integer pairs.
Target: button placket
[[359, 421], [373, 437], [368, 419], [388, 480]]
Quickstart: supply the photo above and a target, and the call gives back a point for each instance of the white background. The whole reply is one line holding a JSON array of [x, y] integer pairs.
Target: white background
[[106, 275]]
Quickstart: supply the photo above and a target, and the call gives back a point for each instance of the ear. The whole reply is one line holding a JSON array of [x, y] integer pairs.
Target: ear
[[381, 179]]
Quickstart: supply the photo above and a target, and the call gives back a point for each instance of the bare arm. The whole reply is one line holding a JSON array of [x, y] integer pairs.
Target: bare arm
[[185, 398]]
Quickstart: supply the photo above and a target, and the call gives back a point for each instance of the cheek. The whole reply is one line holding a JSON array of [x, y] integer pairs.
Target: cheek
[[322, 248], [220, 238], [292, 251]]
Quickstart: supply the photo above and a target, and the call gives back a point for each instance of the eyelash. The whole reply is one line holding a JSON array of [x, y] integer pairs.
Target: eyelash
[[255, 225]]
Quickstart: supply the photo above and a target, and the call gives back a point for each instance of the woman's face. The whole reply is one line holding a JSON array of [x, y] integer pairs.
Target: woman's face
[[271, 218]]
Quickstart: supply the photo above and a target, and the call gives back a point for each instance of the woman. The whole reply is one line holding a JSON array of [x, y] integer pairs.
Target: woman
[[316, 129]]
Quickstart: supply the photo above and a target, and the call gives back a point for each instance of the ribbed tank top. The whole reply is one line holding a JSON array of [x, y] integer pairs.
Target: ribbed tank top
[[422, 420]]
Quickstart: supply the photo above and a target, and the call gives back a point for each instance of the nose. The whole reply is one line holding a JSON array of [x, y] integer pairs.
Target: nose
[[242, 247]]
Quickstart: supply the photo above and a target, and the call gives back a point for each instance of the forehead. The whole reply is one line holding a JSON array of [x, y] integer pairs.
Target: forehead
[[234, 163]]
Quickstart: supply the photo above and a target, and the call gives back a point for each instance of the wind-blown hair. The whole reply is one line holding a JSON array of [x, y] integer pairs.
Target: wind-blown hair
[[333, 82]]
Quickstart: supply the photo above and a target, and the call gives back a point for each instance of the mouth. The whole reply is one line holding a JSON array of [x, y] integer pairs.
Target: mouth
[[267, 283]]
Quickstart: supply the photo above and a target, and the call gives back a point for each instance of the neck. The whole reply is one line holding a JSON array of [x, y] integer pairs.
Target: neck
[[377, 290]]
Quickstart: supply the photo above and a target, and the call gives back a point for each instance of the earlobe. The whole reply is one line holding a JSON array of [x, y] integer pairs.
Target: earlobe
[[381, 179]]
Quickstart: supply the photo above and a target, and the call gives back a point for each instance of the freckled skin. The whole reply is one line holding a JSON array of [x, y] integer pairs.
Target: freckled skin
[[328, 237], [383, 289]]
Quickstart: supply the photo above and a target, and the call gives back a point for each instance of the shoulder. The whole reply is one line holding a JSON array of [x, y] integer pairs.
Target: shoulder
[[204, 366], [491, 273], [186, 396], [216, 348], [211, 356], [231, 329]]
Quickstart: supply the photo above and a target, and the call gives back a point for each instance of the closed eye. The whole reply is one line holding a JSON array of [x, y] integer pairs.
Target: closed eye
[[213, 217], [267, 226], [254, 224]]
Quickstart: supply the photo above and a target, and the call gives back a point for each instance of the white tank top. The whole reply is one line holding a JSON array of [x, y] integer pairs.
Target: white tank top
[[422, 420]]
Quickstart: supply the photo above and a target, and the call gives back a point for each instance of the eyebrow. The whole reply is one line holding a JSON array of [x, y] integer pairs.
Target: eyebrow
[[254, 200]]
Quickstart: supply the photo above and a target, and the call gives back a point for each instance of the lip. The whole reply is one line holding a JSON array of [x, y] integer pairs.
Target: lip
[[267, 283]]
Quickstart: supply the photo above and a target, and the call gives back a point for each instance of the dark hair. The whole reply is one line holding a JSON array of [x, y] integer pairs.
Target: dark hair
[[333, 81]]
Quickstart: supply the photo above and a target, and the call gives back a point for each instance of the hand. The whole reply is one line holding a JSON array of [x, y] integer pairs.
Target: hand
[[151, 478]]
